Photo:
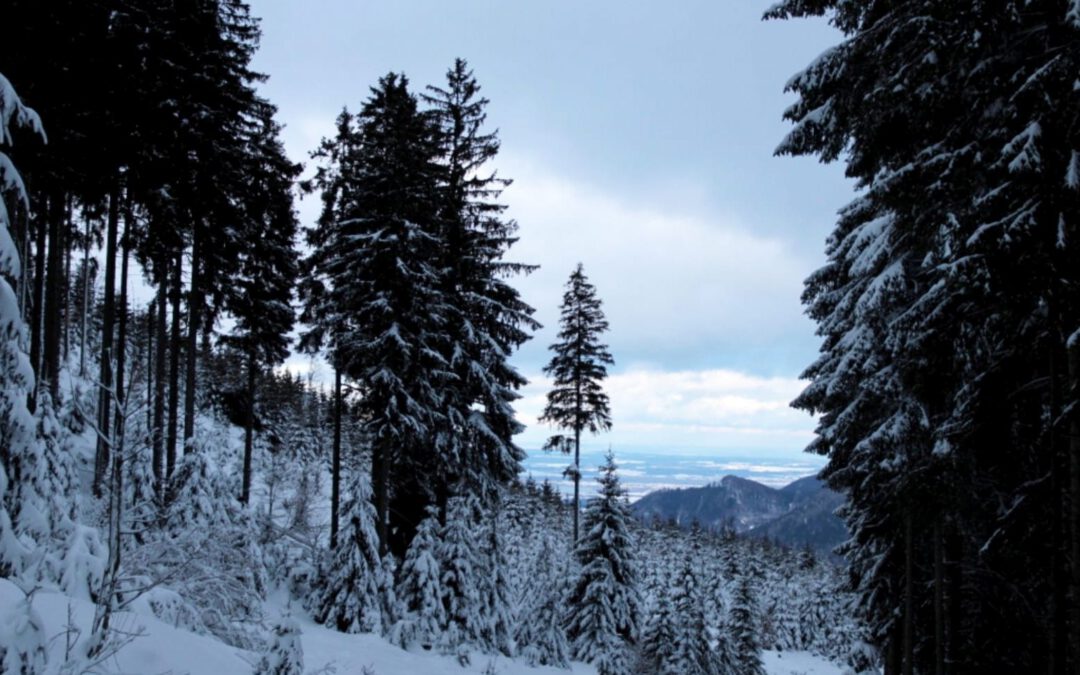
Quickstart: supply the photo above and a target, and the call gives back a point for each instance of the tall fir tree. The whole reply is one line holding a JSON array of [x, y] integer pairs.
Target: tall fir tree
[[947, 382], [487, 318], [577, 401]]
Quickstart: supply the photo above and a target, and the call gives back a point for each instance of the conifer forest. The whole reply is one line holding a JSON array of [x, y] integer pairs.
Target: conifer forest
[[269, 382]]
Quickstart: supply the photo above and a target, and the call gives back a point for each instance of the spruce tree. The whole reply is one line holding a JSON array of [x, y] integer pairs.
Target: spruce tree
[[604, 604], [462, 566], [690, 653], [951, 290], [743, 626], [16, 376], [266, 271], [379, 259], [487, 319], [420, 589], [285, 655], [352, 599], [577, 401], [541, 639]]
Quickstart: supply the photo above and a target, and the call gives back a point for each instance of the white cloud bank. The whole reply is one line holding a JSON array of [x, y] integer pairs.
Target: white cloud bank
[[718, 412]]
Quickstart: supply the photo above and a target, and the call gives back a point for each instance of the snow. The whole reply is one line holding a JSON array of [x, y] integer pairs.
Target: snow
[[797, 663], [160, 647]]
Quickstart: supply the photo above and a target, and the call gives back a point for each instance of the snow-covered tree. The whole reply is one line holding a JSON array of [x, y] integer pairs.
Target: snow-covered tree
[[420, 588], [462, 565], [540, 637], [487, 319], [353, 596], [17, 426], [604, 604], [23, 640], [577, 401], [690, 653], [285, 653], [742, 625]]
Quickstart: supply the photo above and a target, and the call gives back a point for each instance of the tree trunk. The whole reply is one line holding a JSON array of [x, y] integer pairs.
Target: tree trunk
[[69, 243], [379, 466], [1074, 498], [939, 598], [577, 483], [54, 284], [174, 366], [249, 427], [194, 314], [85, 297], [159, 379], [101, 459], [1059, 489], [122, 316], [37, 302], [335, 463], [909, 603]]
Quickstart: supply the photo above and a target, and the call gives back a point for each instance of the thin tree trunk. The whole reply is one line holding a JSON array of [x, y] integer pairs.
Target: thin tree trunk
[[249, 427], [174, 366], [1073, 347], [159, 379], [121, 342], [194, 313], [909, 603], [335, 463], [577, 483], [54, 284], [378, 462], [1059, 489], [85, 296], [939, 598], [101, 459], [37, 302], [69, 244]]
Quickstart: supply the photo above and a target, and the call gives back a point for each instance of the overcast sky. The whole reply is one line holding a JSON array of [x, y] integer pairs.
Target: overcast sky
[[640, 138]]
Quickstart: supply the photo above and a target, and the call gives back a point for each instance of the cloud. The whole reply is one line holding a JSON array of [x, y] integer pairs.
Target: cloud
[[719, 410], [680, 283]]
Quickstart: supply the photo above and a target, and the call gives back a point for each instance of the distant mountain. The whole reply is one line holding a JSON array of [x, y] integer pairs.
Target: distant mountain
[[799, 514]]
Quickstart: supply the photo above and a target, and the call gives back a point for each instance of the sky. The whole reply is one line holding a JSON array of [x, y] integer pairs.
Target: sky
[[640, 139]]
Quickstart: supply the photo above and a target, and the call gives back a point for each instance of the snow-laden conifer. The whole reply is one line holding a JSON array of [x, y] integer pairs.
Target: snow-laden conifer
[[285, 653], [540, 637], [352, 599], [420, 590], [16, 375], [604, 603]]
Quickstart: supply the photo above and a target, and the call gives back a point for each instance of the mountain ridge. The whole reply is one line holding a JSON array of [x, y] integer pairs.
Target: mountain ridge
[[799, 514]]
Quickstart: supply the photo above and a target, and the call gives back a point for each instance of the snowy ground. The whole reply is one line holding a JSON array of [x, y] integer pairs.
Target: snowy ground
[[161, 648]]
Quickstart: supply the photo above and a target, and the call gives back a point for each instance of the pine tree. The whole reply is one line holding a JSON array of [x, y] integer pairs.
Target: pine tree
[[23, 640], [259, 298], [658, 636], [540, 637], [577, 401], [379, 262], [420, 590], [690, 652], [487, 319], [285, 655], [461, 565], [16, 375], [353, 597], [604, 603], [951, 287], [742, 626]]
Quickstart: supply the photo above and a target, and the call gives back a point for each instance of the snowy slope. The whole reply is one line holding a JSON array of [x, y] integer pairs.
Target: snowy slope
[[161, 648]]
